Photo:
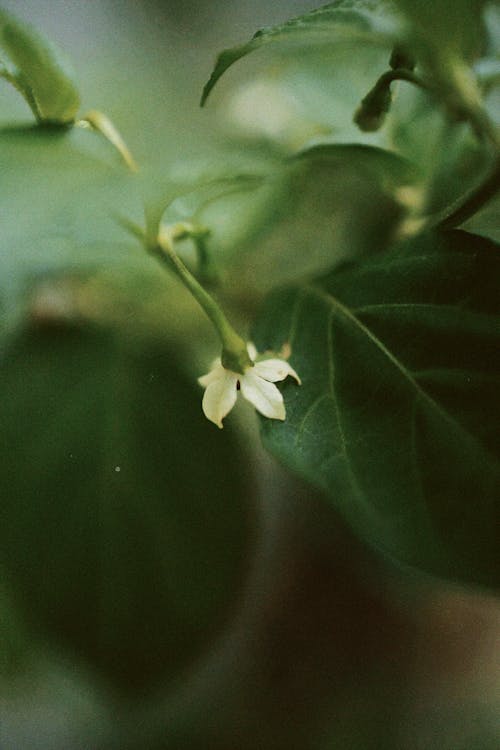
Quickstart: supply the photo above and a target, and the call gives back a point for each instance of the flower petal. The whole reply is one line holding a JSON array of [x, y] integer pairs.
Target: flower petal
[[263, 395], [215, 372], [220, 396], [252, 351], [275, 369]]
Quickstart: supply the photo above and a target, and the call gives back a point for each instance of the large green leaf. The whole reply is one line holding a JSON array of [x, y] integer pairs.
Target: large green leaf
[[340, 21], [124, 526], [398, 414], [51, 174]]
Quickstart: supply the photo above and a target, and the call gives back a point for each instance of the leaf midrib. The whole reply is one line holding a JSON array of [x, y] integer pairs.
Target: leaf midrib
[[419, 391], [332, 396]]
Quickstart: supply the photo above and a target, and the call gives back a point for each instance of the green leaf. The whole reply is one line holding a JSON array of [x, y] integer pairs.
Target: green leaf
[[397, 418], [60, 188], [447, 25], [39, 71], [485, 221], [451, 159], [389, 167], [204, 189], [309, 217], [124, 524], [16, 649], [357, 180], [340, 21], [447, 37]]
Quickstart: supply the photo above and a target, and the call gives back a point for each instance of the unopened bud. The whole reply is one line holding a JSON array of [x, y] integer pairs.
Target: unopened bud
[[371, 113]]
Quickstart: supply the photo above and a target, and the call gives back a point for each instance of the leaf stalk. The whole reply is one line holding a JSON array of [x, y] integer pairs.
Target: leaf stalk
[[235, 356]]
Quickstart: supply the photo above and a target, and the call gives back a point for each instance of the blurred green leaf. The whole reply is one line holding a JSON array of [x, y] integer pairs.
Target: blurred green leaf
[[307, 97], [364, 180], [398, 414], [125, 526], [15, 650], [47, 172], [60, 189], [450, 26], [340, 21], [389, 167], [485, 222], [203, 189], [447, 37], [450, 158], [309, 217], [39, 71]]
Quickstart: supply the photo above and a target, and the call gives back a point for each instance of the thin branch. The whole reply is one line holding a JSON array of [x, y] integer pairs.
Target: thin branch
[[469, 204]]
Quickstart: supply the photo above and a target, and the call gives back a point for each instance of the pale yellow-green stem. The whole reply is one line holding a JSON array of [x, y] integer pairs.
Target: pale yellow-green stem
[[234, 356]]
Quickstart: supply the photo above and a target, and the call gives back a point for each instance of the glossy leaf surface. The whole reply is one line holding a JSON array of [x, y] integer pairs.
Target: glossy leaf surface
[[398, 414]]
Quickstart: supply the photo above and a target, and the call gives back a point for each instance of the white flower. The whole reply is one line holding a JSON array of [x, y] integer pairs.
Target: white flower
[[256, 385]]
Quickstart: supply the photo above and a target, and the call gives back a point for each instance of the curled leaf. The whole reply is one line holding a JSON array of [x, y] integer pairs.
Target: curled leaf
[[340, 21]]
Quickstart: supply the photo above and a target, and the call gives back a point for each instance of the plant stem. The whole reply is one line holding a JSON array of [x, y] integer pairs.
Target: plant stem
[[234, 349], [470, 109], [401, 74], [371, 113], [484, 127], [470, 203]]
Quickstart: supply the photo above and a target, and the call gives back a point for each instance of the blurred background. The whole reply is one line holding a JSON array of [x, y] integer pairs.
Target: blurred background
[[164, 585]]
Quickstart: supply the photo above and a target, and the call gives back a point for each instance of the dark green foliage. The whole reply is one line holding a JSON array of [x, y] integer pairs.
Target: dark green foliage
[[124, 525], [398, 414]]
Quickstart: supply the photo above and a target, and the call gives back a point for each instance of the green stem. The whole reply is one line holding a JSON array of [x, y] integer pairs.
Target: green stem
[[234, 350], [401, 74], [470, 203], [470, 110], [464, 100], [371, 113], [206, 269], [198, 235], [484, 128]]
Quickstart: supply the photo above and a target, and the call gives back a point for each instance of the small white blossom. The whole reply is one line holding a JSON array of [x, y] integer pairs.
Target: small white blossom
[[256, 385]]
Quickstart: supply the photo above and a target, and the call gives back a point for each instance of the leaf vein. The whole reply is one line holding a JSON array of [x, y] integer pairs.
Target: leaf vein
[[352, 476], [418, 390]]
